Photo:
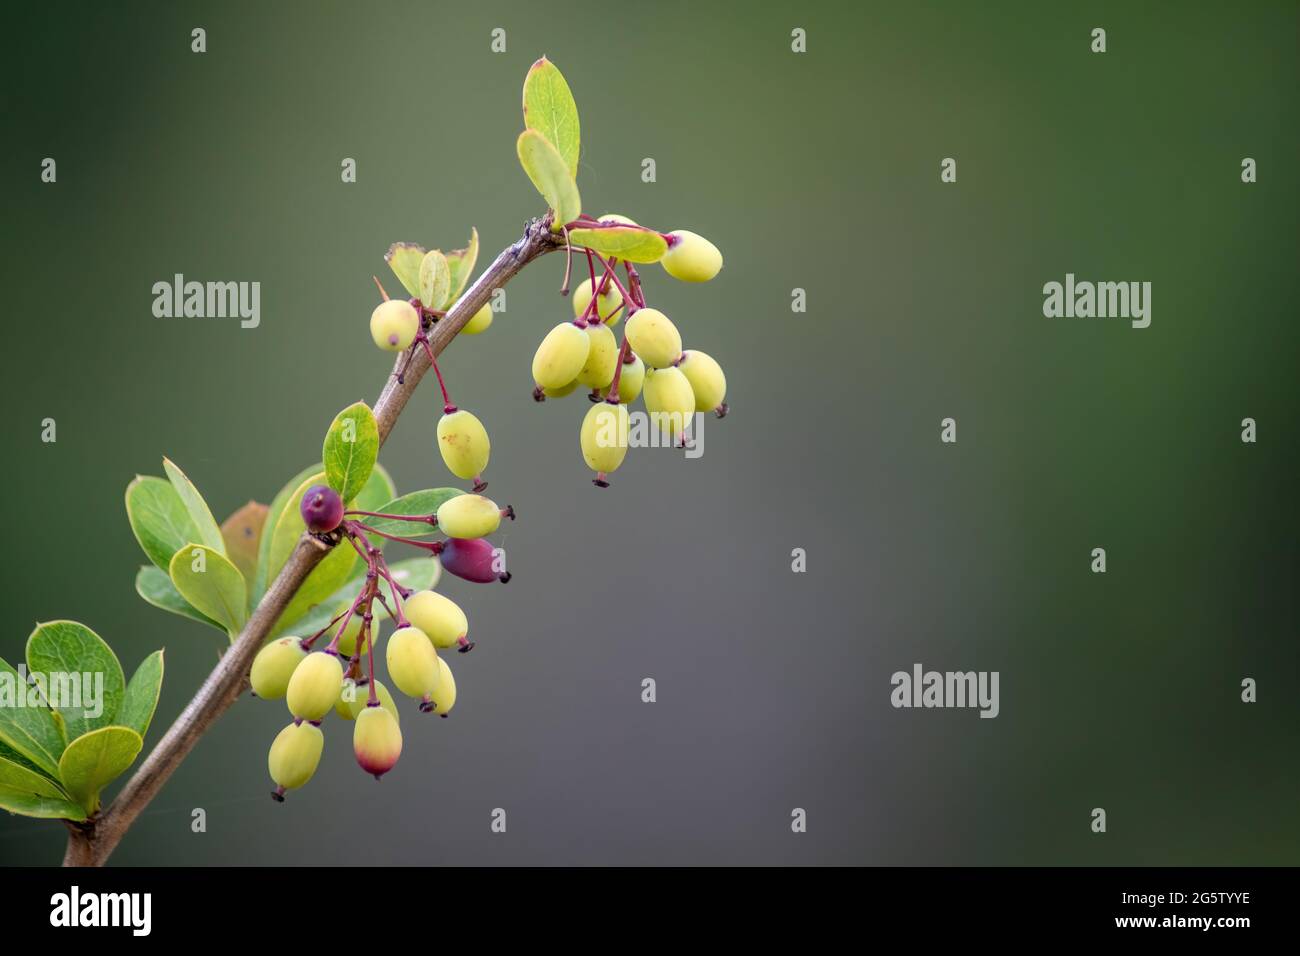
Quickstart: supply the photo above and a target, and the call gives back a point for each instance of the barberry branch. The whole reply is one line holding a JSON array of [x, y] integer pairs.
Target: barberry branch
[[90, 843]]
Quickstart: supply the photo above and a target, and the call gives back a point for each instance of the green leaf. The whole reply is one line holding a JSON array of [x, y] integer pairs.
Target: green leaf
[[95, 760], [351, 449], [290, 527], [242, 532], [26, 724], [14, 776], [199, 512], [550, 110], [424, 502], [13, 756], [326, 578], [378, 490], [156, 587], [34, 805], [61, 654], [418, 574], [550, 175], [435, 280], [623, 242], [461, 263], [141, 697], [404, 259], [273, 512], [159, 518], [209, 581]]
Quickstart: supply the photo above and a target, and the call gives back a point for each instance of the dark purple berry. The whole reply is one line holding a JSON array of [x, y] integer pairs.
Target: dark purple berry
[[473, 559], [322, 509]]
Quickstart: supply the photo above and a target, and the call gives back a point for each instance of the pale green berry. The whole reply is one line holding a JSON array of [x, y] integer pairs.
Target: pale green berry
[[393, 325], [439, 617], [652, 335], [348, 642], [707, 380], [464, 444], [630, 382], [561, 355], [468, 516], [603, 439], [691, 257], [562, 391], [314, 687], [480, 321], [443, 697], [274, 666], [376, 740], [669, 400], [354, 695], [615, 217], [412, 662], [294, 756], [610, 300], [602, 358]]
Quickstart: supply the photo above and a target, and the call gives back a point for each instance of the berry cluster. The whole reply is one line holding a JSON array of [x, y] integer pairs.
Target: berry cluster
[[648, 361]]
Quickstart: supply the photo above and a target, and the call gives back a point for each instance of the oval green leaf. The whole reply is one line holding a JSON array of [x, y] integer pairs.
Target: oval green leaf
[[13, 756], [622, 242], [351, 449], [157, 589], [424, 502], [141, 697], [418, 574], [551, 177], [81, 676], [206, 578], [273, 513], [435, 280], [159, 518], [461, 262], [550, 110], [35, 805], [26, 724], [14, 776], [95, 760], [198, 510], [404, 259]]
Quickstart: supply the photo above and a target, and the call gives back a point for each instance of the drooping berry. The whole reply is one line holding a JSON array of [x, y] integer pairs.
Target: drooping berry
[[670, 400], [464, 444], [393, 325], [473, 559], [274, 666], [294, 756], [652, 335], [443, 698], [603, 439], [315, 684], [608, 306], [469, 516], [560, 357], [355, 694], [602, 358], [412, 662], [439, 617], [629, 382], [691, 257], [480, 321], [707, 380], [376, 740], [348, 642], [322, 509]]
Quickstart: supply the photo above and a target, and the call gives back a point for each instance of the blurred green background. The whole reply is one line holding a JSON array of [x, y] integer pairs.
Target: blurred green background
[[818, 171]]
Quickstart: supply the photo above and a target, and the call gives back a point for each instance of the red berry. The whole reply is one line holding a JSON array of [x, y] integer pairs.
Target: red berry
[[473, 559], [322, 509]]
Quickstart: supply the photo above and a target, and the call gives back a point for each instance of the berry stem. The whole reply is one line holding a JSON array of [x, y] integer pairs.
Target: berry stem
[[420, 519]]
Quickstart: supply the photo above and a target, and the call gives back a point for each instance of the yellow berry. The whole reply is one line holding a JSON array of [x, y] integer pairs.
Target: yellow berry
[[561, 355], [630, 382], [314, 687], [480, 321], [412, 662], [706, 377], [295, 755], [348, 642], [468, 516], [393, 325], [437, 616], [274, 665], [376, 740], [354, 696], [464, 444], [602, 357], [669, 400], [603, 438], [444, 695], [610, 300], [562, 391], [652, 335], [691, 257]]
